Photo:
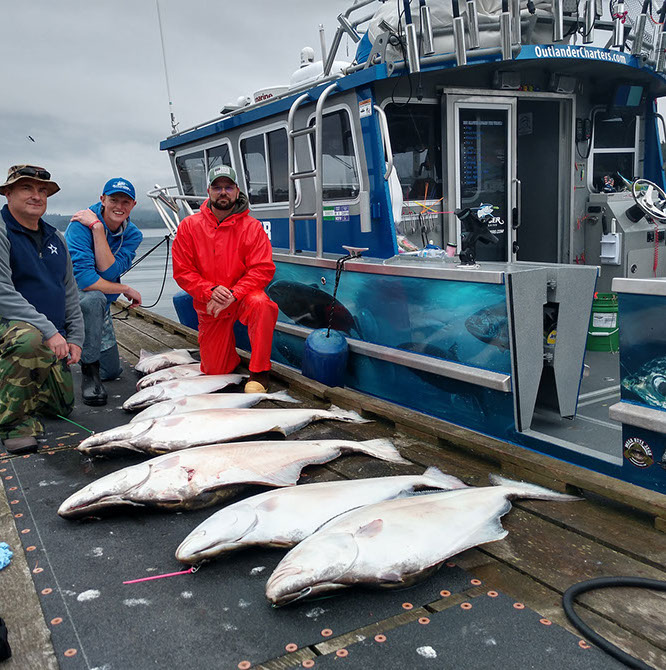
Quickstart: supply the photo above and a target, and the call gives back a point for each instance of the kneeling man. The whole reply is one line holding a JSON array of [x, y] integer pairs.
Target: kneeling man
[[222, 257]]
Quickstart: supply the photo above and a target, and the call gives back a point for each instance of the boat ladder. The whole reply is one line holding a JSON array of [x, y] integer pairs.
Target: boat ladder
[[316, 173]]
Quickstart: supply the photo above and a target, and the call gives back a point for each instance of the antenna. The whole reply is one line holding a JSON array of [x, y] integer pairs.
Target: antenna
[[174, 123]]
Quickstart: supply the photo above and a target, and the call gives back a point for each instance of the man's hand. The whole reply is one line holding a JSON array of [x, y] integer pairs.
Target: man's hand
[[88, 218], [74, 353], [222, 295], [58, 345], [133, 296]]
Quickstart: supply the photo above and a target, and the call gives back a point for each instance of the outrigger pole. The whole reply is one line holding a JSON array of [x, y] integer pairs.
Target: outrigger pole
[[174, 123]]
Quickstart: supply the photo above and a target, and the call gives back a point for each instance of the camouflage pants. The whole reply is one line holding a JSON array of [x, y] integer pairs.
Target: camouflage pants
[[34, 381]]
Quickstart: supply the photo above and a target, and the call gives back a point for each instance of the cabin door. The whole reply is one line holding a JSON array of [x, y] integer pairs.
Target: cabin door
[[482, 150]]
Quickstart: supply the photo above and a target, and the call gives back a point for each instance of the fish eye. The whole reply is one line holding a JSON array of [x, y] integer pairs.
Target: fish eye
[[659, 384]]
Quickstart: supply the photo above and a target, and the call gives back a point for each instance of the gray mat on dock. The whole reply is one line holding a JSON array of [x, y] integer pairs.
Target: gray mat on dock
[[491, 634]]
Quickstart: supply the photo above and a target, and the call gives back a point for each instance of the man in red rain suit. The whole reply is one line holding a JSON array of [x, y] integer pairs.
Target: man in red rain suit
[[222, 257]]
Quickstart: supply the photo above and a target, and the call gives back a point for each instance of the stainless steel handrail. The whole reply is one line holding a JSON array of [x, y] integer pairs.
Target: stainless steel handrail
[[386, 140]]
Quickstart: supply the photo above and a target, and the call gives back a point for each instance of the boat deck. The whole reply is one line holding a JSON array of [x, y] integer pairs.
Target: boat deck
[[66, 606]]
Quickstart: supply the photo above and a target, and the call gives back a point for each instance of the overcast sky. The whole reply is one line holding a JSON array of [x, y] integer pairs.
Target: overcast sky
[[86, 79]]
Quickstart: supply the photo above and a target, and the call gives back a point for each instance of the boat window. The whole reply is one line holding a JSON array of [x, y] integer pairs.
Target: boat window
[[219, 156], [192, 173], [614, 141], [415, 131], [253, 152], [279, 168], [339, 174]]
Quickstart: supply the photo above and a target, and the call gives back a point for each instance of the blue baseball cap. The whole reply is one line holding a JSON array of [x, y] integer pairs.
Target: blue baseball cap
[[119, 185]]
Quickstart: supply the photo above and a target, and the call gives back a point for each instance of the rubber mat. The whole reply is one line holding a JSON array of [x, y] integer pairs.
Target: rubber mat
[[217, 617], [485, 633]]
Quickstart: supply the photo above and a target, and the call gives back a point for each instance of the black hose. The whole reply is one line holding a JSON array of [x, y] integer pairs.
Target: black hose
[[602, 583]]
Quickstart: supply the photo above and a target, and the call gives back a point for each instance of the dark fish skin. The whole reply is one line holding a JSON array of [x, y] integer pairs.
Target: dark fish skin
[[490, 325], [310, 307]]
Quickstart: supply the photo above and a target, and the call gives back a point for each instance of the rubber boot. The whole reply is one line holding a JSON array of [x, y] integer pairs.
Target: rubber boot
[[92, 389]]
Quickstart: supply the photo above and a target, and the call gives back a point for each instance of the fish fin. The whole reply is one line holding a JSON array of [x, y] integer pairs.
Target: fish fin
[[282, 396], [347, 415], [527, 490], [371, 529], [143, 354], [380, 448], [435, 478], [287, 476]]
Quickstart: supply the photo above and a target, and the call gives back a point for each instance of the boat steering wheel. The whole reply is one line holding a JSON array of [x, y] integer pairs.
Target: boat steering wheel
[[650, 198]]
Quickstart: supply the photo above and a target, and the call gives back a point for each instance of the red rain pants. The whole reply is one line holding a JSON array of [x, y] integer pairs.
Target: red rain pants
[[217, 343]]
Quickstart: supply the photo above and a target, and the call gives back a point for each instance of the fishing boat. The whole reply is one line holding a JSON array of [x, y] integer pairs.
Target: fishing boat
[[492, 185]]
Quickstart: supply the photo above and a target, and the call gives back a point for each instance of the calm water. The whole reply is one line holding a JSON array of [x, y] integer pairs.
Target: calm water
[[147, 276]]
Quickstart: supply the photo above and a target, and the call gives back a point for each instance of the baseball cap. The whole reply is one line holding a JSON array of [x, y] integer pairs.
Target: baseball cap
[[119, 185], [18, 172], [221, 171]]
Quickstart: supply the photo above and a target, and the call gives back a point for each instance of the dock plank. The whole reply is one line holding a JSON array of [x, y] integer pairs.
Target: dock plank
[[560, 558], [548, 602]]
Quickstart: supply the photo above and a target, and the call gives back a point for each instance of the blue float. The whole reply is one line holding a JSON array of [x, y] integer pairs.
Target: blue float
[[325, 358], [184, 306]]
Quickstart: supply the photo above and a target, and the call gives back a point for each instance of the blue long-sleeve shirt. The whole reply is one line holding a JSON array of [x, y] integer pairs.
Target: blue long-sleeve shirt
[[123, 244]]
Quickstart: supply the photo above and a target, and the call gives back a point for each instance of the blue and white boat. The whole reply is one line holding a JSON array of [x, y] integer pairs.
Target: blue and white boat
[[488, 170]]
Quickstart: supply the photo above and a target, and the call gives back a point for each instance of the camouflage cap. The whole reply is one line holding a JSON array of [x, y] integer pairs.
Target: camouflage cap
[[18, 172]]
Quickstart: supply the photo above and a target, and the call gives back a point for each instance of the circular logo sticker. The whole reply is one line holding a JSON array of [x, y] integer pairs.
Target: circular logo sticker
[[638, 453]]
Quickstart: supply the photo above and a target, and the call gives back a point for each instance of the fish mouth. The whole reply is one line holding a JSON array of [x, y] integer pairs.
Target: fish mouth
[[306, 593], [85, 509]]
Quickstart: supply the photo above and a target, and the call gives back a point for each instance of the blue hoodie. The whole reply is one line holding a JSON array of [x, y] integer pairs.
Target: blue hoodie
[[123, 244]]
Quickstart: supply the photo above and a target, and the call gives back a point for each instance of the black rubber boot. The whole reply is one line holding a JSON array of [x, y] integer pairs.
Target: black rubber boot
[[92, 389]]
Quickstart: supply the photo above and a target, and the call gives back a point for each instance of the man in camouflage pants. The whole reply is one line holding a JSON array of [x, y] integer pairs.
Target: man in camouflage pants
[[41, 327]]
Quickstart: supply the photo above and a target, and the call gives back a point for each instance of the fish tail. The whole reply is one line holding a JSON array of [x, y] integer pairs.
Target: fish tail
[[282, 396], [527, 490], [347, 415], [381, 448], [437, 479]]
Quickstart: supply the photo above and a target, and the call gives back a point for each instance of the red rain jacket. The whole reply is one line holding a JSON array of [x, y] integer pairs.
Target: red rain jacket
[[235, 253]]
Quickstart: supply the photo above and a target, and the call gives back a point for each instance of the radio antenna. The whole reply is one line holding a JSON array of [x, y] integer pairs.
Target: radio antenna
[[174, 123]]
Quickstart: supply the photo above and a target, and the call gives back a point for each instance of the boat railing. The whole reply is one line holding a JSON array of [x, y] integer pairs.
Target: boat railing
[[168, 203]]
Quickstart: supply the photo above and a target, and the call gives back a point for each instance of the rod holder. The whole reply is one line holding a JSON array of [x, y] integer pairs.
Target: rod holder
[[618, 25], [427, 44], [322, 43], [472, 25], [660, 52], [459, 40], [515, 22], [639, 34], [349, 28], [413, 60], [558, 21], [588, 35], [505, 35]]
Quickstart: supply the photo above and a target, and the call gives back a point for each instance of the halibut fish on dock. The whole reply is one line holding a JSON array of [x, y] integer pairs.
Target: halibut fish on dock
[[201, 476], [285, 517], [209, 401], [171, 433], [152, 362], [169, 374], [398, 542], [179, 388]]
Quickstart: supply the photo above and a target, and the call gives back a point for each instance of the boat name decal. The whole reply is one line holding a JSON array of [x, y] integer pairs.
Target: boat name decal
[[580, 52]]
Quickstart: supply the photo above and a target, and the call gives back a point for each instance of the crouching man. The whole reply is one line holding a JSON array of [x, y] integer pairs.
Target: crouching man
[[41, 327], [103, 242], [222, 257]]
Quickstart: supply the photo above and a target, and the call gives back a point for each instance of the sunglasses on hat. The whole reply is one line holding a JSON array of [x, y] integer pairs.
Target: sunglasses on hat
[[29, 171]]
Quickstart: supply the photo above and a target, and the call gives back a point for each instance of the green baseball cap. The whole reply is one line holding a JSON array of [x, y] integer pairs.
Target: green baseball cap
[[221, 171]]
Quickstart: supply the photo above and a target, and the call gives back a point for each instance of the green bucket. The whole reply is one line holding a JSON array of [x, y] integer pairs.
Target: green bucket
[[603, 332]]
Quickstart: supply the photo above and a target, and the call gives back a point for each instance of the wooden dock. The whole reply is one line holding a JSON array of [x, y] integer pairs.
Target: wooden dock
[[614, 531]]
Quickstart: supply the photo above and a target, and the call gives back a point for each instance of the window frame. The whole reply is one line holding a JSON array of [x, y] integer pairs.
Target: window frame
[[263, 131], [355, 145], [610, 150], [202, 148]]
